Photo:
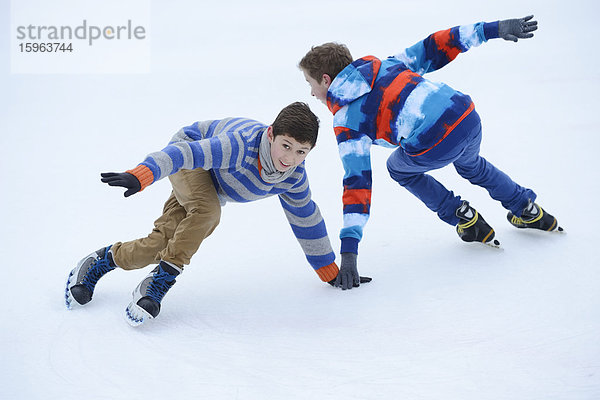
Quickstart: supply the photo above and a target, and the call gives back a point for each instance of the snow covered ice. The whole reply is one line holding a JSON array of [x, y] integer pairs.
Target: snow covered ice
[[249, 319]]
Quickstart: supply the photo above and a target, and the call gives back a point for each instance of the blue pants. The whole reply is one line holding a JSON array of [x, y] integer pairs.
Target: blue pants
[[460, 147]]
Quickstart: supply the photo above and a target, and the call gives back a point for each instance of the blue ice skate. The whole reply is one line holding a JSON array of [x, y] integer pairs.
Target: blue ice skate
[[148, 295], [83, 278]]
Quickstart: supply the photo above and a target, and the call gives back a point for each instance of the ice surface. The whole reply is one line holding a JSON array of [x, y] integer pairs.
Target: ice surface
[[249, 319]]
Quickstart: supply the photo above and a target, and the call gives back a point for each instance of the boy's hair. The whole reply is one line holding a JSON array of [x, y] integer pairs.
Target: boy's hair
[[297, 121], [329, 58]]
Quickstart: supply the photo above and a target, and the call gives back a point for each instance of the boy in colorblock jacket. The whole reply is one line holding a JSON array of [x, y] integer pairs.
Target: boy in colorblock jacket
[[430, 125], [210, 163]]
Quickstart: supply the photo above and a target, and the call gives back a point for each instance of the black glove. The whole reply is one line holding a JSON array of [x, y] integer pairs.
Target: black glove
[[348, 276], [123, 179], [515, 29]]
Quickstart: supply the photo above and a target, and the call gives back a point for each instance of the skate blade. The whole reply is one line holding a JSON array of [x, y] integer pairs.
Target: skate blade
[[494, 244], [559, 230], [136, 315], [69, 299]]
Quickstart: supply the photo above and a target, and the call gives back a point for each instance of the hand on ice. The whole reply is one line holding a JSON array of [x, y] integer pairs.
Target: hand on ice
[[123, 179], [348, 276], [515, 29]]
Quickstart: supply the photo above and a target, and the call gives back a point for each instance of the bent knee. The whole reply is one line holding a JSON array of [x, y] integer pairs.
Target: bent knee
[[210, 214], [216, 216], [401, 177], [470, 171]]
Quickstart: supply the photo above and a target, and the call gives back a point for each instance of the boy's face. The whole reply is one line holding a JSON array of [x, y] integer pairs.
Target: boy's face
[[286, 151], [318, 89]]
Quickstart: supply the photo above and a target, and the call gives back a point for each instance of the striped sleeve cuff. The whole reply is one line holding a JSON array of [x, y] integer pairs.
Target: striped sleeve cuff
[[328, 272], [143, 174]]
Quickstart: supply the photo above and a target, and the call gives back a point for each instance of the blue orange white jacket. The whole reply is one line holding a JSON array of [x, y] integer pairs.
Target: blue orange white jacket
[[389, 103]]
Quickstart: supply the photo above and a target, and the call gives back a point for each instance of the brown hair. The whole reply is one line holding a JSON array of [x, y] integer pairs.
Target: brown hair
[[329, 58], [297, 121]]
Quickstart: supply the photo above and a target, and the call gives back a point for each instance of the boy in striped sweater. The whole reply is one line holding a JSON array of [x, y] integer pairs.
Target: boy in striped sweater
[[210, 163], [430, 125]]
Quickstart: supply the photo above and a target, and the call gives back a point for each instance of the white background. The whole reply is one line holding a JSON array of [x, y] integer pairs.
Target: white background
[[249, 319]]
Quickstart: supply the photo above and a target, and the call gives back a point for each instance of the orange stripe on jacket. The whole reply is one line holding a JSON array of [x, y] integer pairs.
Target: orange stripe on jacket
[[357, 196], [143, 174], [442, 40], [449, 129], [375, 65], [391, 95], [339, 130]]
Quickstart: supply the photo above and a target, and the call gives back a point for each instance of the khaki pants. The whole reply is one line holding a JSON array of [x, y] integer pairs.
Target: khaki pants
[[191, 214]]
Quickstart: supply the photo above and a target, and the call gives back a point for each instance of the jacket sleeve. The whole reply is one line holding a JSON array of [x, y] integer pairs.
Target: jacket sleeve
[[309, 228], [439, 48], [190, 149], [355, 152]]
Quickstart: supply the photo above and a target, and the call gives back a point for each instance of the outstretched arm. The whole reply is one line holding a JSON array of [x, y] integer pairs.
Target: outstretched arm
[[440, 48], [192, 147], [355, 152], [171, 159]]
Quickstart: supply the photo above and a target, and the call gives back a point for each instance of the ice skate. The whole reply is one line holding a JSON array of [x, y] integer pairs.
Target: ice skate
[[473, 228], [534, 217], [148, 295], [83, 278]]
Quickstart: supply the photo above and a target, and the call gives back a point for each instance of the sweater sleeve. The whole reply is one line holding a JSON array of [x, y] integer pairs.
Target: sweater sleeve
[[440, 48], [309, 228], [190, 149], [355, 152]]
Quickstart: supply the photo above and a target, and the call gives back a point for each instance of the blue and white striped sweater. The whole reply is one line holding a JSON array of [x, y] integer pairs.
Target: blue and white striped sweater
[[229, 150]]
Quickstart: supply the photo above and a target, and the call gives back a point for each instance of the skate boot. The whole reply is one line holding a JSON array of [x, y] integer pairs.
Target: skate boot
[[83, 278], [149, 293], [534, 216], [472, 227]]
